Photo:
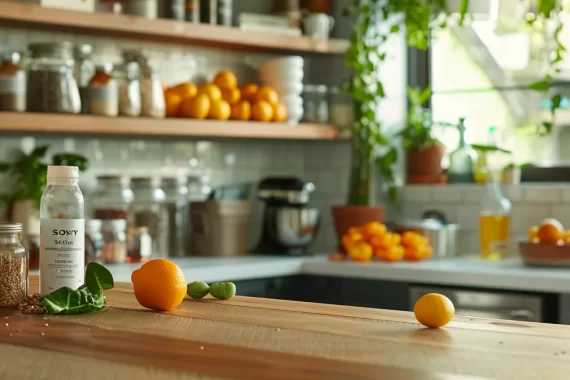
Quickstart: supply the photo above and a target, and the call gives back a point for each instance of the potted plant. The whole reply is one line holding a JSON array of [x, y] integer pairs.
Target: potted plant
[[424, 151], [374, 22], [28, 180]]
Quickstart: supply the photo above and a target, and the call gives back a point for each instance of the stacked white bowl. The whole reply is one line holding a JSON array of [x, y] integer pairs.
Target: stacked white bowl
[[285, 75]]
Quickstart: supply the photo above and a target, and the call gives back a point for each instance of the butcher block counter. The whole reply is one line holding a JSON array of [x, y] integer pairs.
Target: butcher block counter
[[254, 338]]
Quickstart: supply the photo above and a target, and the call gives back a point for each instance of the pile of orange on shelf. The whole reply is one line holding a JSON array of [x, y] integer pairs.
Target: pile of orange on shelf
[[374, 240], [223, 100]]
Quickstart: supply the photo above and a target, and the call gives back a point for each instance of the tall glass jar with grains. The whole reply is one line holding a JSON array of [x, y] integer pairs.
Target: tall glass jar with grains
[[62, 231], [494, 221]]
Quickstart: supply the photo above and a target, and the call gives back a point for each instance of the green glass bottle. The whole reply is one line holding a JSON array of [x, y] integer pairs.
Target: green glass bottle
[[462, 160]]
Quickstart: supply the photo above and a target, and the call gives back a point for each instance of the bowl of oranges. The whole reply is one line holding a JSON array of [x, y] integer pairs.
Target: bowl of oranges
[[547, 244], [373, 241]]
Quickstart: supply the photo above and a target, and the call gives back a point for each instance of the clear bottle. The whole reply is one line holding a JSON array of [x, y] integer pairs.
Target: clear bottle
[[62, 231], [494, 221], [462, 160]]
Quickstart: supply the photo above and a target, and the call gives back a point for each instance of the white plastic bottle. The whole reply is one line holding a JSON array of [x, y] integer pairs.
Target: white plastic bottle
[[62, 231]]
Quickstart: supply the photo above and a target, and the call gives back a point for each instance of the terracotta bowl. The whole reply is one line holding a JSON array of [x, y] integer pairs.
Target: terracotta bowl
[[544, 254]]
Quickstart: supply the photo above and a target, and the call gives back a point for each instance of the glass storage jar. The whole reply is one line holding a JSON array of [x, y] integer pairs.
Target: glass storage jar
[[176, 191], [51, 86], [150, 210], [315, 104], [127, 76], [152, 93], [84, 71], [13, 265], [114, 241], [93, 240], [113, 197], [139, 245], [103, 93], [341, 111], [12, 83]]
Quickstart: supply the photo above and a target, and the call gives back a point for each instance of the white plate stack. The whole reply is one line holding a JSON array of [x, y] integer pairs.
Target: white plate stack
[[285, 75]]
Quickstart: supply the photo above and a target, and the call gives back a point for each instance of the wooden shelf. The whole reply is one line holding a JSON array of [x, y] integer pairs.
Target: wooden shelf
[[161, 30], [130, 126]]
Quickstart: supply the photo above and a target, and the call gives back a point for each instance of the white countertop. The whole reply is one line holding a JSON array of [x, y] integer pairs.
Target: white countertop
[[508, 274]]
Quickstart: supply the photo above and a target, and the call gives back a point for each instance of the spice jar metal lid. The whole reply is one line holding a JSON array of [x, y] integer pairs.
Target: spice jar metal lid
[[10, 227], [116, 225], [83, 51], [174, 181], [63, 49], [114, 179], [145, 181], [315, 88]]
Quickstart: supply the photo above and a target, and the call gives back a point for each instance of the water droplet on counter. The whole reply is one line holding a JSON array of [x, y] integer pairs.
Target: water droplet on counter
[[277, 329], [47, 324], [7, 325], [43, 334], [201, 347]]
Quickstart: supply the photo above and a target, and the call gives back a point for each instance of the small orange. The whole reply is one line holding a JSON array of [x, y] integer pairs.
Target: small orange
[[159, 284], [372, 229], [197, 107], [185, 90], [550, 231], [231, 95], [241, 111], [434, 310], [226, 79], [172, 101], [210, 89], [532, 233], [249, 91], [268, 94], [390, 254], [262, 111], [279, 113], [360, 251], [220, 110]]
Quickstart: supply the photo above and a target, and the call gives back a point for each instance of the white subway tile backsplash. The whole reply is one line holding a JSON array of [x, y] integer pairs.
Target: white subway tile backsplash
[[417, 193], [468, 217], [446, 194], [525, 215], [472, 193], [561, 212], [565, 194], [542, 194], [514, 193]]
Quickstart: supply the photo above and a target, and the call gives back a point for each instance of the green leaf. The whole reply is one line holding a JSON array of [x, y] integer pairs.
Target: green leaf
[[69, 302], [68, 159], [463, 11], [556, 100], [4, 167], [98, 278], [395, 29], [39, 151], [541, 85]]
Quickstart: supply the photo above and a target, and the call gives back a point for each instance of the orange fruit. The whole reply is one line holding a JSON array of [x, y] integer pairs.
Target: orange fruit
[[226, 79], [550, 231], [262, 111], [213, 91], [434, 310], [249, 91], [197, 107], [185, 90], [279, 113], [372, 229], [172, 101], [268, 94], [159, 284], [241, 111], [532, 233], [390, 254], [231, 95], [220, 110]]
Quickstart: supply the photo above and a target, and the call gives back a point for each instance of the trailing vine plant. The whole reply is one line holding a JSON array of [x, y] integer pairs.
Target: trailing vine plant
[[374, 22]]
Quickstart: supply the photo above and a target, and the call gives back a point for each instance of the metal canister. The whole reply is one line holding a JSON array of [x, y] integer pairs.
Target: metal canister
[[139, 245]]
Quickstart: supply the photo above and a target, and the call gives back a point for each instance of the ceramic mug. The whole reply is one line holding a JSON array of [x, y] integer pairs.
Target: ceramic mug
[[318, 25]]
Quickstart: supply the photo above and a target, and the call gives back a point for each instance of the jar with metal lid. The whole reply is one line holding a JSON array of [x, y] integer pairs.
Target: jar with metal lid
[[114, 241], [84, 71], [51, 85], [128, 80], [315, 103], [103, 92], [143, 8], [176, 191], [13, 265], [113, 197], [93, 240], [150, 210], [152, 93], [341, 110], [12, 83]]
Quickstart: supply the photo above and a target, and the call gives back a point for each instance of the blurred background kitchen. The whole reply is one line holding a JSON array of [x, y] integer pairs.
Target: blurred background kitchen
[[261, 177]]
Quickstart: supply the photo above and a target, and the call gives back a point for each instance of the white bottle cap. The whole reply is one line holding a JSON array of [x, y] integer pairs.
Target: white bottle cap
[[63, 172]]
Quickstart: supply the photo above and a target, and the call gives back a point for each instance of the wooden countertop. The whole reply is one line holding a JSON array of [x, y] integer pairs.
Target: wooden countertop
[[252, 338]]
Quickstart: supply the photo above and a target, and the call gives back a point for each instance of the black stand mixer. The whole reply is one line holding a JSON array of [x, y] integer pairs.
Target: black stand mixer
[[289, 225]]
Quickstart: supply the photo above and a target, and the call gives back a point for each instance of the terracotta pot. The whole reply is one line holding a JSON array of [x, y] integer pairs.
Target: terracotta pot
[[346, 217], [426, 162]]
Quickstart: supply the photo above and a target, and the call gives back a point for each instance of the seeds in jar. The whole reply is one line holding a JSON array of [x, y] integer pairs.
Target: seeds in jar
[[13, 279], [153, 104], [129, 98]]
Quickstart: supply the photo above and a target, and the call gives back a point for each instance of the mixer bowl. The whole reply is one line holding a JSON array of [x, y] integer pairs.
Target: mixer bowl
[[294, 227]]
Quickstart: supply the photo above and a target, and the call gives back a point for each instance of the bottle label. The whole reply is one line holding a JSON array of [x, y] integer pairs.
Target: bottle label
[[499, 248], [62, 254]]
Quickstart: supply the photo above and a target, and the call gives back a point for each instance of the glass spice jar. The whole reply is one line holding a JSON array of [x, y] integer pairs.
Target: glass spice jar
[[150, 210], [176, 190], [128, 80], [51, 86], [316, 104], [12, 83], [152, 93], [112, 197], [93, 240], [114, 241], [139, 245], [13, 265], [103, 93], [84, 71]]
